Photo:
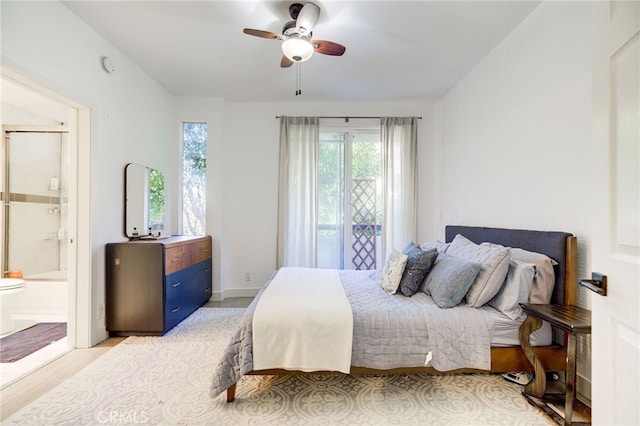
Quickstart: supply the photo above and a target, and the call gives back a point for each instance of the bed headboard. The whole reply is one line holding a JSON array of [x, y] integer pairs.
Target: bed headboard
[[559, 246]]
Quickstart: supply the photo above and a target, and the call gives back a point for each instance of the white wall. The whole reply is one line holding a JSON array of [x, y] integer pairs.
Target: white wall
[[516, 130], [516, 133], [132, 118], [242, 159]]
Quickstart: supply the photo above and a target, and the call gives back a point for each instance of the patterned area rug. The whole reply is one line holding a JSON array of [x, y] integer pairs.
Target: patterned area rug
[[16, 346], [165, 381]]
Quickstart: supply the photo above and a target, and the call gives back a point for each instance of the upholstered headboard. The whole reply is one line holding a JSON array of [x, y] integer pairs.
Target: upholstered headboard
[[559, 246]]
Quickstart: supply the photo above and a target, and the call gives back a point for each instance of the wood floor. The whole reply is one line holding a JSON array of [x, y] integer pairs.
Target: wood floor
[[31, 387]]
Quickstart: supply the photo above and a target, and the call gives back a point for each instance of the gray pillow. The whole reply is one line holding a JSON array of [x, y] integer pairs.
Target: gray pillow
[[419, 263], [495, 264], [515, 290], [545, 278], [450, 279], [439, 245]]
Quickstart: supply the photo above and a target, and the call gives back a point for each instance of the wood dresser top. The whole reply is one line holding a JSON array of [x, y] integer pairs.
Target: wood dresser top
[[174, 240]]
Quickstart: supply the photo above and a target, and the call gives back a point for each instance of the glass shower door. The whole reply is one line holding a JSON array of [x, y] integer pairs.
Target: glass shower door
[[36, 203]]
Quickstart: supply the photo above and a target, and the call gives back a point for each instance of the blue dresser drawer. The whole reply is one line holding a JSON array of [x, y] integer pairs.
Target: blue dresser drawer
[[185, 291], [177, 283]]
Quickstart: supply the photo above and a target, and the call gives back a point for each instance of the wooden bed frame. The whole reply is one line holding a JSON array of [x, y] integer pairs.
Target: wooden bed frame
[[560, 246]]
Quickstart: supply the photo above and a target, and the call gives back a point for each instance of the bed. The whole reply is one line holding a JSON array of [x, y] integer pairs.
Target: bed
[[504, 354]]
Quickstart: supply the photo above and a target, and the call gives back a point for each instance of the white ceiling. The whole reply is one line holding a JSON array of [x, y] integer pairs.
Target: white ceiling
[[396, 50]]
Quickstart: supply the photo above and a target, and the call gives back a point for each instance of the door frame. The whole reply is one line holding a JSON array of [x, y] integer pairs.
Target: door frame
[[79, 310]]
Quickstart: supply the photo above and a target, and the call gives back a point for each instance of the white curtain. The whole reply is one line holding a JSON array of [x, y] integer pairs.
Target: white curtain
[[399, 182], [298, 192]]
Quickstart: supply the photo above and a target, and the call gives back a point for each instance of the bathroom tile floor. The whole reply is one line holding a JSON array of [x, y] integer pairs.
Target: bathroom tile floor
[[12, 371]]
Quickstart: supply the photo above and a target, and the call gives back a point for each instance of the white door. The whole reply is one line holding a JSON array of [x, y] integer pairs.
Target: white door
[[616, 222]]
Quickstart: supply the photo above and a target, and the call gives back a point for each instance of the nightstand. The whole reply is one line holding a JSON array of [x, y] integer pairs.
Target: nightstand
[[572, 319]]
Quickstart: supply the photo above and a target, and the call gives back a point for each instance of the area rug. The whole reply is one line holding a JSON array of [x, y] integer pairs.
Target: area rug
[[16, 346], [165, 381]]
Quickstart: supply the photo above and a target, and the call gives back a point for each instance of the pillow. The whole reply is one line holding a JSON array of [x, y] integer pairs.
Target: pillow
[[515, 290], [450, 279], [409, 248], [438, 245], [545, 279], [419, 263], [494, 261], [392, 272]]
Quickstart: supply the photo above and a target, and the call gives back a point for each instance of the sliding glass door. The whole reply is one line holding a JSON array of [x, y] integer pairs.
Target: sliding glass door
[[349, 196]]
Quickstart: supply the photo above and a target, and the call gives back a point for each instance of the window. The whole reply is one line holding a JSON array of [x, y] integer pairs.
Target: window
[[347, 195], [194, 182]]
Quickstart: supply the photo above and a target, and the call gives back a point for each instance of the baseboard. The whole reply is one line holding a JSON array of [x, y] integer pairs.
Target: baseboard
[[218, 296]]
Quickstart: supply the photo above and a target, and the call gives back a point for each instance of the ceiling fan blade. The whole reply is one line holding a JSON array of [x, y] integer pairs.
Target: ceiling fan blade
[[260, 33], [285, 62], [328, 47], [307, 18]]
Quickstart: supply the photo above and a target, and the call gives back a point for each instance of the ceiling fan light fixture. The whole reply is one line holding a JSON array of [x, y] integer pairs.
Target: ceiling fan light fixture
[[297, 49]]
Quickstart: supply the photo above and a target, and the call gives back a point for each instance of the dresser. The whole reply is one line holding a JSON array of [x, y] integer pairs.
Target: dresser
[[152, 285]]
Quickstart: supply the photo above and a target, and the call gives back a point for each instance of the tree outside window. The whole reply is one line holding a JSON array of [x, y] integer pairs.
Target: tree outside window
[[194, 184]]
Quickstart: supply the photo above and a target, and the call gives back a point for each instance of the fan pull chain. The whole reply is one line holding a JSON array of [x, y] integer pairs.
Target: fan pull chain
[[298, 78]]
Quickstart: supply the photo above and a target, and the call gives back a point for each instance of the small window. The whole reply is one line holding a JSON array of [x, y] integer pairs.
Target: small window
[[194, 178]]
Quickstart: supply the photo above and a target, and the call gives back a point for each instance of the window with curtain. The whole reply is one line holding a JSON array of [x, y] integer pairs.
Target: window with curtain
[[346, 193]]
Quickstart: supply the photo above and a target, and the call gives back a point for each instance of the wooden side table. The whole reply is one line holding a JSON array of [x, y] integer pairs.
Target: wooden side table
[[572, 319]]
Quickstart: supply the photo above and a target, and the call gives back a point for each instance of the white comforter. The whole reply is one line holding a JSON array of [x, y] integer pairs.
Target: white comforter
[[303, 321]]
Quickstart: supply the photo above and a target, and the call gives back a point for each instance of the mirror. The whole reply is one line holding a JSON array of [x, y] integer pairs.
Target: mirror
[[144, 202]]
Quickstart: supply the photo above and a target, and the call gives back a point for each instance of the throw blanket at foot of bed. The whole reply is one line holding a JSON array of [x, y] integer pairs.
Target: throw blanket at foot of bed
[[303, 322]]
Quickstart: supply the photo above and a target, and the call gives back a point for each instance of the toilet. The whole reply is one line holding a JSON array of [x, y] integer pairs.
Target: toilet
[[8, 287]]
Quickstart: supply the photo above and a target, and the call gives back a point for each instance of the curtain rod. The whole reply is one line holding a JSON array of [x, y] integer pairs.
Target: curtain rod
[[347, 117]]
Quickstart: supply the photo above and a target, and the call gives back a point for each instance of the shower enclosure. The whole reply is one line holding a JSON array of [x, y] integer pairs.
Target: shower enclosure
[[35, 200]]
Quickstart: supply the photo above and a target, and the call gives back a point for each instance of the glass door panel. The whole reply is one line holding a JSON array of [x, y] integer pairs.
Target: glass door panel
[[349, 215], [331, 177], [366, 217]]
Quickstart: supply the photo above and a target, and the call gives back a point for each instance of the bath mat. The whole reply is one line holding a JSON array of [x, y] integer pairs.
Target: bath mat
[[16, 346]]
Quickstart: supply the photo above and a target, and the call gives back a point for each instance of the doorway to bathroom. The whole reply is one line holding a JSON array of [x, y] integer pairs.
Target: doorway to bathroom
[[38, 227]]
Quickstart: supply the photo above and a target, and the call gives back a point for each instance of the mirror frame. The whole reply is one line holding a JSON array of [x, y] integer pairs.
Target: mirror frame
[[143, 217]]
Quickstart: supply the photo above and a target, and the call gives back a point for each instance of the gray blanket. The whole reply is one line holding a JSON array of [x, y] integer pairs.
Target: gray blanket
[[388, 332]]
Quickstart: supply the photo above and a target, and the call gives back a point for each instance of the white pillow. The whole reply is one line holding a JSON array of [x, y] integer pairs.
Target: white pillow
[[494, 265], [515, 290], [392, 272]]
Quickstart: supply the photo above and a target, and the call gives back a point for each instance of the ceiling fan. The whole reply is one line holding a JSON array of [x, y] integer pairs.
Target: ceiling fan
[[297, 45]]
